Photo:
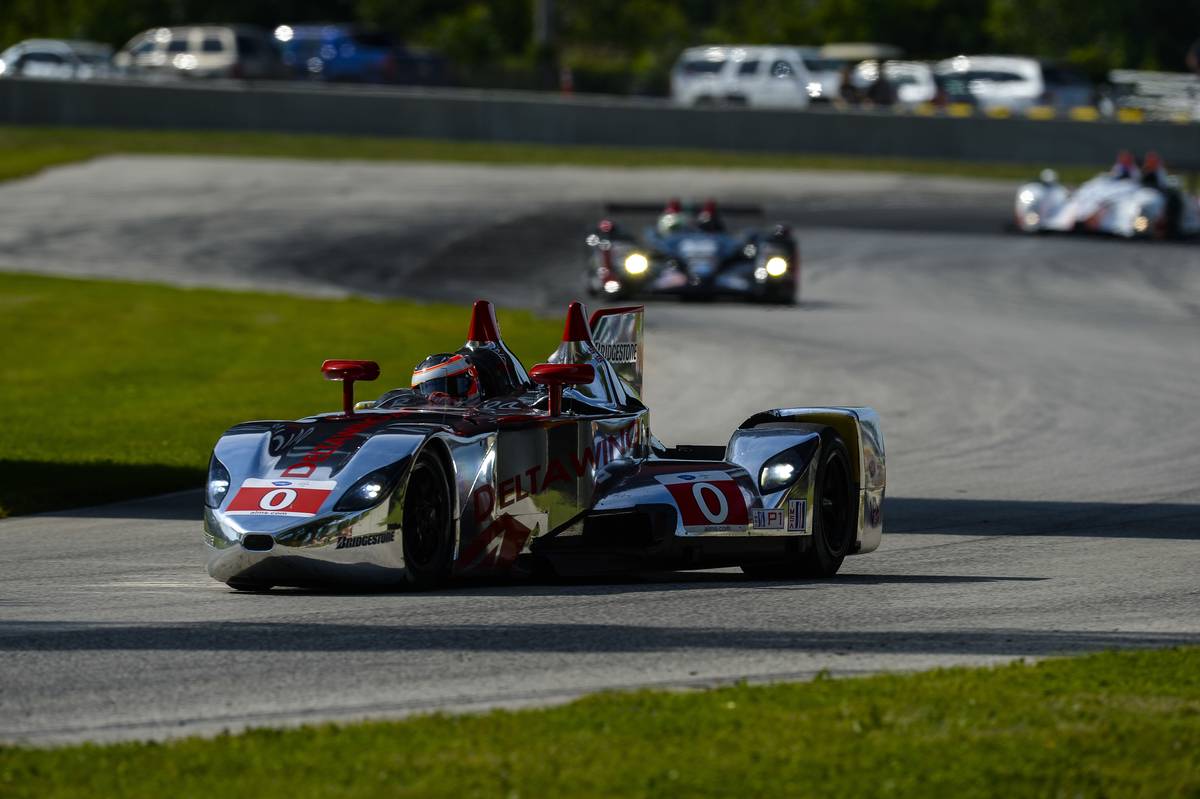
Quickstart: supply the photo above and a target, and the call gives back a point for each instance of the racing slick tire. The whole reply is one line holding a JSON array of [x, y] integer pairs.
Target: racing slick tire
[[835, 517], [426, 530]]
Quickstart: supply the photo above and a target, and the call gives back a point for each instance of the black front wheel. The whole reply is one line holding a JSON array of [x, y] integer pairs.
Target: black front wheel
[[834, 514], [427, 525]]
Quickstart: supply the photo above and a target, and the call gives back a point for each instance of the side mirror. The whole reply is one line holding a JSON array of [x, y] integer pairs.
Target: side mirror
[[557, 375], [348, 373]]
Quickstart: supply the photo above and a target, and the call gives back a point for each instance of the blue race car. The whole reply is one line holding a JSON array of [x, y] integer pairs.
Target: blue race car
[[689, 253]]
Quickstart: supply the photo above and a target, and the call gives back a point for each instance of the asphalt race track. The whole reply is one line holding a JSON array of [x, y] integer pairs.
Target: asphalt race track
[[1039, 398]]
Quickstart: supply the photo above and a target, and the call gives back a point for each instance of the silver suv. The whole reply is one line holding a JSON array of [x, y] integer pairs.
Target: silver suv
[[203, 51], [56, 58], [755, 75]]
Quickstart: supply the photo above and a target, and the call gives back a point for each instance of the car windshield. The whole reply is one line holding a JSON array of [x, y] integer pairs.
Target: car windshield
[[824, 64], [990, 75], [704, 67]]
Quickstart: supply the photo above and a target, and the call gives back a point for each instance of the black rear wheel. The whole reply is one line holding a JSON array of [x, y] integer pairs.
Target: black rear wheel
[[427, 535]]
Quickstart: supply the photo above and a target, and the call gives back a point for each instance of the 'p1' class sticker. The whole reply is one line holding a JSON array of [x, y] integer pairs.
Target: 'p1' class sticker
[[769, 518], [707, 501], [259, 497], [797, 515]]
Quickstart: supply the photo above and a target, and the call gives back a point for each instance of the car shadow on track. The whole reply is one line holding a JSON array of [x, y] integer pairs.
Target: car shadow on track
[[983, 517], [251, 636]]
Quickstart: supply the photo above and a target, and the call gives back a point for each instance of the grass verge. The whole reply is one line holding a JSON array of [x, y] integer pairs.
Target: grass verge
[[27, 150], [1112, 724], [116, 390]]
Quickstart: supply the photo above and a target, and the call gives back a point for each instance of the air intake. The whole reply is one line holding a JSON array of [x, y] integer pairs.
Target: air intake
[[257, 542]]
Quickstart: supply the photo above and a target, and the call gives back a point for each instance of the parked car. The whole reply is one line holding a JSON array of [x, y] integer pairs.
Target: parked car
[[57, 58], [765, 76], [348, 53], [827, 65], [1016, 83], [911, 81], [203, 51]]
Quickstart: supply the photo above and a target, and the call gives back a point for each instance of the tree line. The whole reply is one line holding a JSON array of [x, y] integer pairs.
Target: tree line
[[631, 44]]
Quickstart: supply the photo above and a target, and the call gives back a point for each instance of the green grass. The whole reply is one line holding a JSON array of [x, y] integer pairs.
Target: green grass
[[24, 151], [116, 390], [1107, 725]]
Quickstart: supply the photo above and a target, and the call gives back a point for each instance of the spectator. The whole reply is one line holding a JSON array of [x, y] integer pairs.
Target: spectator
[[881, 91], [847, 91]]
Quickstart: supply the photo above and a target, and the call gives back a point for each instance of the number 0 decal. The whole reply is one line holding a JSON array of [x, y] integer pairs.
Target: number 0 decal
[[707, 499], [701, 492], [280, 497]]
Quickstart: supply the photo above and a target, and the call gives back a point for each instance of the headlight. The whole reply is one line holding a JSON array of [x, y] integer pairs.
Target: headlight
[[776, 266], [369, 491], [775, 476], [3, 67], [1141, 224], [636, 263], [784, 469], [218, 483]]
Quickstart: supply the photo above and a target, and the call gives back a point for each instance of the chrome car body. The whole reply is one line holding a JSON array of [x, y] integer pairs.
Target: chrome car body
[[1118, 206], [578, 483]]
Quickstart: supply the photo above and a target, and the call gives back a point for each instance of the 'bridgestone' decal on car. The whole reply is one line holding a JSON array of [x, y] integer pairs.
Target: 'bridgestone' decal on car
[[259, 497], [350, 542], [707, 501], [618, 352]]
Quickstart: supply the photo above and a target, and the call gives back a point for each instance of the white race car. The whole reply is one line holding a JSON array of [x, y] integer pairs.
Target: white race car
[[1118, 204]]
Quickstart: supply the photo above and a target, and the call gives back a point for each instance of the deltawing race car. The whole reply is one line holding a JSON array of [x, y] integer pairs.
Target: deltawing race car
[[689, 253], [1124, 202], [484, 468]]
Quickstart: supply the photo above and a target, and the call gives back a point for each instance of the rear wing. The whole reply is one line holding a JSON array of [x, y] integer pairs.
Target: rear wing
[[617, 333], [657, 208]]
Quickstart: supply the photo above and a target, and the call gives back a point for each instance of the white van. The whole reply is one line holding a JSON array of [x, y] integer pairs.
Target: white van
[[766, 76], [203, 51], [1016, 82]]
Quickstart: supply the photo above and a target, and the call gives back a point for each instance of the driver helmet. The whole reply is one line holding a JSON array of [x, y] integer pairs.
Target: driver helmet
[[708, 219], [1152, 163], [671, 220], [1126, 165], [446, 375]]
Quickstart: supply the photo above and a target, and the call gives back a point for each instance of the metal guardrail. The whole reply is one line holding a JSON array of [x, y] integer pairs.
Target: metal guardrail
[[535, 118]]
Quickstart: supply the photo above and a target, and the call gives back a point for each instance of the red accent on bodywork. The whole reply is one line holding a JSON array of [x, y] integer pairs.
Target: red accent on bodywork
[[349, 372], [730, 505], [600, 313], [484, 327], [495, 548], [673, 206], [576, 328], [556, 375], [303, 500]]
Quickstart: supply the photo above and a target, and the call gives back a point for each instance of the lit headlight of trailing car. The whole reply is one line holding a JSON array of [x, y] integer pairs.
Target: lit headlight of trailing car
[[635, 263], [773, 266]]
